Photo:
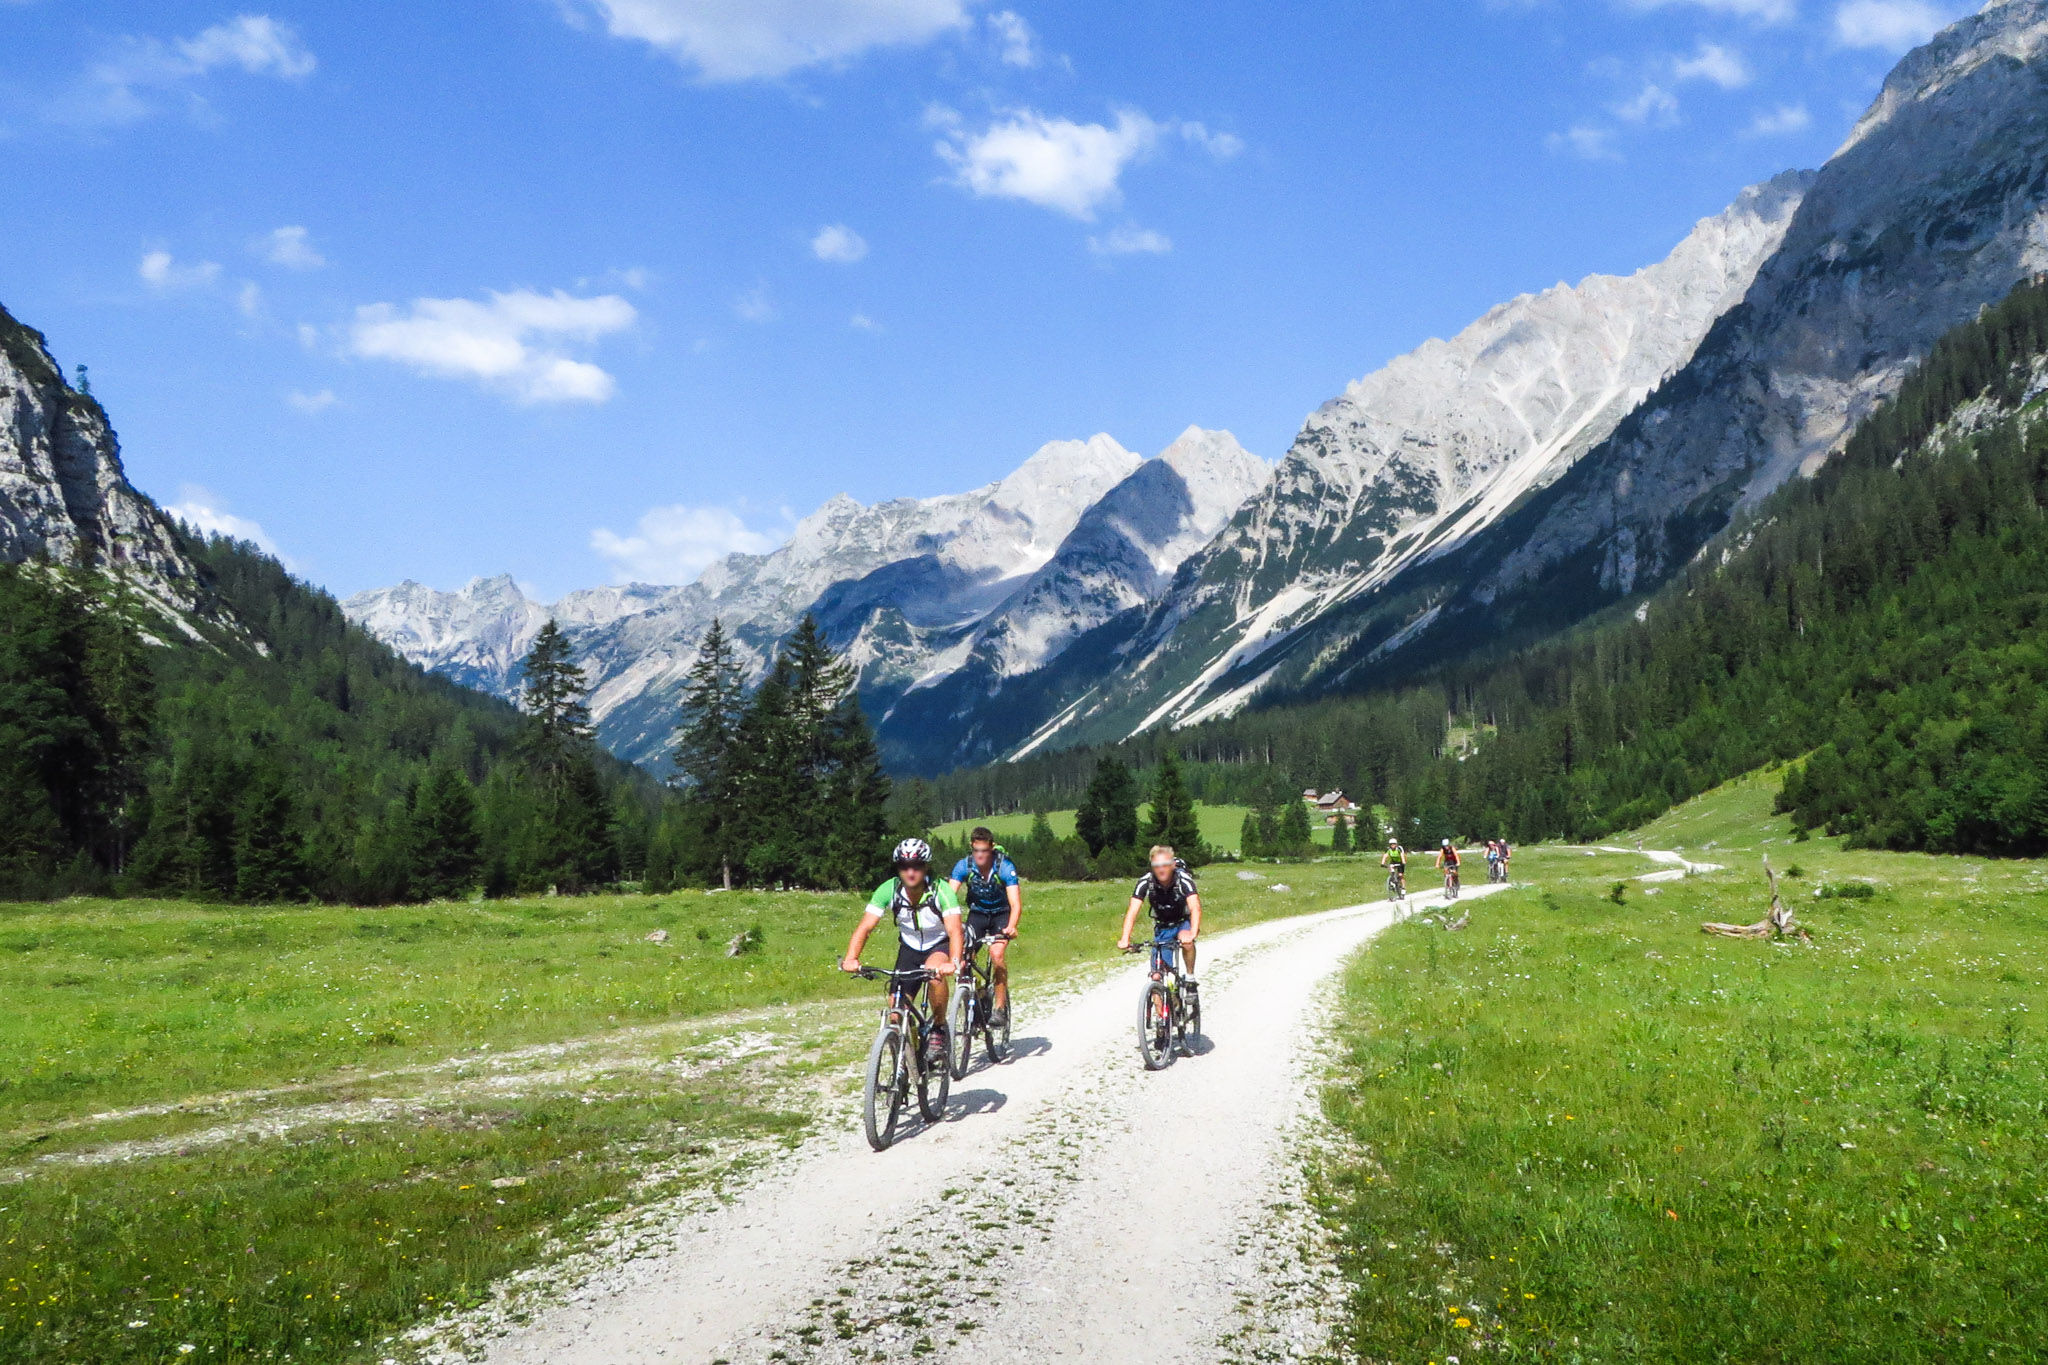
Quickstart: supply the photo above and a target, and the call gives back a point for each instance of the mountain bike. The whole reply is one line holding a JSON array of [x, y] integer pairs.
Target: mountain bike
[[897, 1062], [1397, 883], [973, 1004], [1169, 1009], [1451, 883], [1496, 869]]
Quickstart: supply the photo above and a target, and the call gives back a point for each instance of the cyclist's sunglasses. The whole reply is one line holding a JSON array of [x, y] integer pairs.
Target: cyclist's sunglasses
[[902, 863]]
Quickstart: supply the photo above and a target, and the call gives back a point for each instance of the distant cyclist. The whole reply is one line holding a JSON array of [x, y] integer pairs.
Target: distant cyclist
[[1395, 860], [927, 929], [985, 881], [1447, 861], [1169, 888], [1497, 859]]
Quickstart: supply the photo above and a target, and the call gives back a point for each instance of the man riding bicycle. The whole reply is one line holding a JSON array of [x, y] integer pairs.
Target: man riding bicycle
[[927, 929], [1169, 888], [1447, 862], [985, 882], [1395, 860]]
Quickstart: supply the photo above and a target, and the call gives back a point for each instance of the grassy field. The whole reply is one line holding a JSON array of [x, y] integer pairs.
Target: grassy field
[[1585, 1131], [290, 1133], [1221, 826]]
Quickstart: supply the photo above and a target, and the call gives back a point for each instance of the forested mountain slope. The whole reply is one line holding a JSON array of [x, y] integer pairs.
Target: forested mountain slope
[[1884, 616]]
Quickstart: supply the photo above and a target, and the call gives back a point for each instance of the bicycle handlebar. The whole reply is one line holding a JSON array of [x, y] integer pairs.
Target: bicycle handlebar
[[878, 974]]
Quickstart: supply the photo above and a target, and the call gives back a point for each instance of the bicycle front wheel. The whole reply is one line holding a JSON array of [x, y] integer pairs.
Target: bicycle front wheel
[[999, 1038], [934, 1083], [888, 1088], [960, 1018], [1155, 1027]]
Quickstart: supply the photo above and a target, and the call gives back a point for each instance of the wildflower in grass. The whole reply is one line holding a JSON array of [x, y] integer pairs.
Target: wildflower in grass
[[1462, 1322], [1672, 1214]]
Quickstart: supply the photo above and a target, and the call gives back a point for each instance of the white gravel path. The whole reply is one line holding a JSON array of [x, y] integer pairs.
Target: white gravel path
[[1121, 1214]]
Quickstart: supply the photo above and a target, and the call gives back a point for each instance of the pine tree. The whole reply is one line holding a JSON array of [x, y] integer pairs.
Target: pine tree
[[269, 864], [446, 844], [1108, 816], [1340, 834], [714, 700], [1173, 820], [856, 800], [769, 814], [1250, 840], [1041, 836], [1295, 838], [569, 846]]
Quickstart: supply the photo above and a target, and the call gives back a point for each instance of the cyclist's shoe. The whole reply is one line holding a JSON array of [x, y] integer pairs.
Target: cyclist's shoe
[[999, 1017], [935, 1047]]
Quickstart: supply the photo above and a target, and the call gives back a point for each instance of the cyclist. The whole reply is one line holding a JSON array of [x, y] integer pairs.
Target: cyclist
[[927, 929], [1395, 859], [1493, 859], [1169, 888], [1505, 854], [985, 882], [1447, 860]]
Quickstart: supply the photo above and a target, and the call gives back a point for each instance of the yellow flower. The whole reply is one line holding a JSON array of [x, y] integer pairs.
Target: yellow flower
[[1462, 1322], [1528, 1296], [1672, 1214]]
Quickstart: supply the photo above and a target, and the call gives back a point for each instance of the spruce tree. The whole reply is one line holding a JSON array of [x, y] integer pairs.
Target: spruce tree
[[446, 844], [1173, 820], [1251, 841], [1041, 837], [1340, 835], [269, 864], [706, 755], [856, 801], [1108, 816], [1295, 836], [570, 846]]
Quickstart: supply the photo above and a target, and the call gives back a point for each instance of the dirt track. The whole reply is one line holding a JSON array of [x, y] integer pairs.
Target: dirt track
[[1114, 1214]]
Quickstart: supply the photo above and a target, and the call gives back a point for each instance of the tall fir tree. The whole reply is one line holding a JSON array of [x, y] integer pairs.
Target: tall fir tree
[[270, 863], [1173, 819], [1251, 839], [569, 846], [447, 846], [1340, 834], [1108, 816], [1295, 836], [706, 757]]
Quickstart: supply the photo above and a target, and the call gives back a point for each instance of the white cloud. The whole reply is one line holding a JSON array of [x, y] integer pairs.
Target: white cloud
[[290, 247], [861, 322], [674, 544], [1056, 163], [1655, 106], [1722, 66], [163, 273], [310, 403], [1585, 141], [249, 299], [206, 513], [1131, 240], [516, 341], [1020, 46], [839, 244], [1783, 120], [1890, 25], [755, 305], [741, 40], [1762, 11], [124, 87]]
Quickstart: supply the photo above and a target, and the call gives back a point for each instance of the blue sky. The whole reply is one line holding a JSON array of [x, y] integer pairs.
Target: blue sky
[[591, 290]]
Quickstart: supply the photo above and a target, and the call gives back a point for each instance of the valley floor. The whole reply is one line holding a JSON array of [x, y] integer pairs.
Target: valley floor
[[1575, 1129]]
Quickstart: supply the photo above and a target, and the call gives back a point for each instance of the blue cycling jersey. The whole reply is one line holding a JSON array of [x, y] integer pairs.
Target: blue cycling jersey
[[986, 890]]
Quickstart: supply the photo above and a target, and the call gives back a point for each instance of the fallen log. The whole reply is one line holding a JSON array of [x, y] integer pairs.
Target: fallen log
[[1779, 923]]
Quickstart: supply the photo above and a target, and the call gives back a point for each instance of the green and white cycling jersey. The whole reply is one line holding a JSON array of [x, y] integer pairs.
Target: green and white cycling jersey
[[921, 924]]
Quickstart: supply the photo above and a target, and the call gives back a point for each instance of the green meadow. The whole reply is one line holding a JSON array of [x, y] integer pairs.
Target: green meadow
[[1581, 1129], [272, 1133]]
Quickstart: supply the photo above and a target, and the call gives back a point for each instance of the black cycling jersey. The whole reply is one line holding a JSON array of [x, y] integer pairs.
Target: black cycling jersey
[[1169, 900]]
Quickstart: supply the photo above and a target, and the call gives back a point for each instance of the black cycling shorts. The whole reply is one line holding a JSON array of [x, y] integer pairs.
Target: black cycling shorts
[[988, 923], [909, 959]]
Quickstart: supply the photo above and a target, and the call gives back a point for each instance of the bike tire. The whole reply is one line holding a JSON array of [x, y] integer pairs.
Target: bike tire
[[998, 1039], [1155, 1027], [1195, 1018], [934, 1083], [960, 1017], [887, 1085]]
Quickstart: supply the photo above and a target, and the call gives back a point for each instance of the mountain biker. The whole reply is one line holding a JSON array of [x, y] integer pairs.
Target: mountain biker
[[1396, 860], [1447, 859], [927, 929], [1495, 858], [1169, 888], [1505, 854], [985, 881]]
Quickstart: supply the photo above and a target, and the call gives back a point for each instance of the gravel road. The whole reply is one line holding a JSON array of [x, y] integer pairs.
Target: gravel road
[[1071, 1206]]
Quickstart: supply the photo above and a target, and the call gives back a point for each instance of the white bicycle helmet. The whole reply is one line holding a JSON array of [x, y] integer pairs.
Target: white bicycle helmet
[[913, 850]]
